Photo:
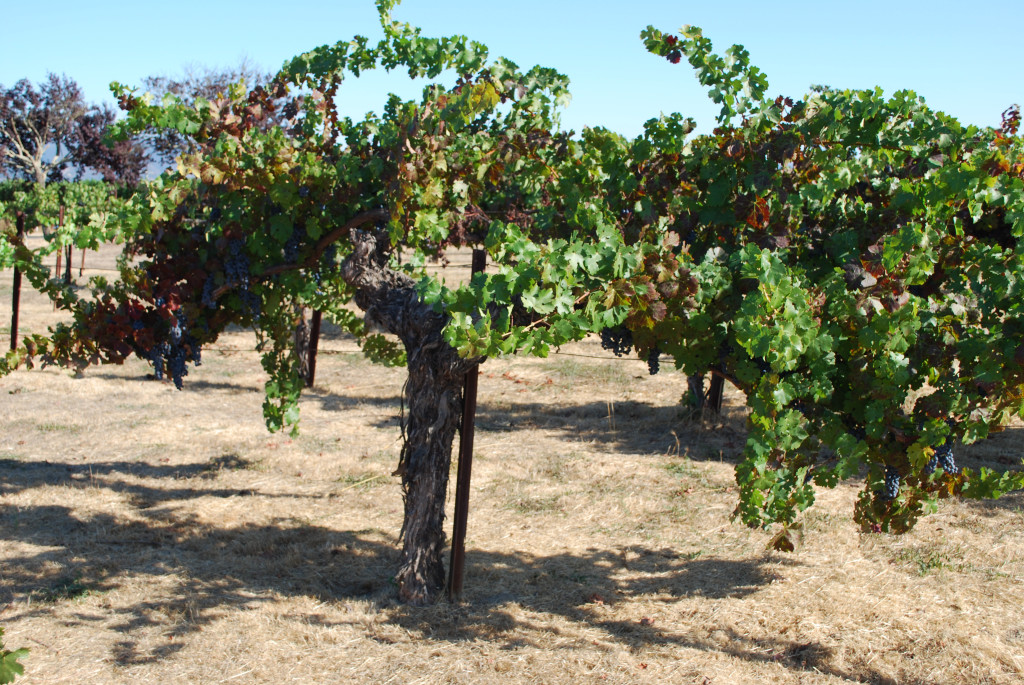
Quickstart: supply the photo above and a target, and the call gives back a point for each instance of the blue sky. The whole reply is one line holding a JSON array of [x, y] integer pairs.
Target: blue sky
[[964, 58]]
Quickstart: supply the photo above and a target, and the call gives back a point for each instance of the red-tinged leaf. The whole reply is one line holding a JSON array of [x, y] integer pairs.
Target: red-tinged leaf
[[658, 310]]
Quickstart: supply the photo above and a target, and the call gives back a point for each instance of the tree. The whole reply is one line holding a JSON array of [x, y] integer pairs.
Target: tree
[[122, 161], [45, 131], [35, 123], [206, 84]]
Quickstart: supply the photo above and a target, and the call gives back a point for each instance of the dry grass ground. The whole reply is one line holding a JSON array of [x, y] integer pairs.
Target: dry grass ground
[[150, 535]]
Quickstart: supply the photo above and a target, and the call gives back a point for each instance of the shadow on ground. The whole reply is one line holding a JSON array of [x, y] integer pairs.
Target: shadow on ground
[[183, 479], [630, 427], [217, 567], [508, 593]]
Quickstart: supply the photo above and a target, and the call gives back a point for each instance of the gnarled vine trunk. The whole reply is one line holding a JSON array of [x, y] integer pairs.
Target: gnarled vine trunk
[[433, 401]]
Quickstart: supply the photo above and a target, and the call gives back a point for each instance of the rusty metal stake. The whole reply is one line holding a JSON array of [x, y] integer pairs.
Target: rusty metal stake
[[67, 250], [314, 343], [16, 295], [461, 515], [60, 225]]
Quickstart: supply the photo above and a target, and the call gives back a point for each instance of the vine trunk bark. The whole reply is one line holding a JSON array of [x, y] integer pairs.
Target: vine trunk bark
[[433, 409]]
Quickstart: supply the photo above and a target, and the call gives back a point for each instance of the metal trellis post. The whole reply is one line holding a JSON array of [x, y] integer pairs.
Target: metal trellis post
[[461, 515], [16, 294]]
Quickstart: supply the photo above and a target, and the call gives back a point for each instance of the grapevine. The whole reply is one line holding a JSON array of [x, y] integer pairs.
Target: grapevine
[[859, 284]]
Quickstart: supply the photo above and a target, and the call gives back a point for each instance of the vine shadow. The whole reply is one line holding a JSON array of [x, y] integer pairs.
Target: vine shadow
[[218, 566], [630, 426]]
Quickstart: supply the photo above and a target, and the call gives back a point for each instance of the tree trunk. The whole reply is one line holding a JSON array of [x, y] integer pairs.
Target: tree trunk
[[709, 400], [433, 404]]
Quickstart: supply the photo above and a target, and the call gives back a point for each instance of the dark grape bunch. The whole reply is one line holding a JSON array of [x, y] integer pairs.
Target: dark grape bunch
[[654, 361], [618, 340], [170, 358], [156, 358], [292, 245], [942, 458], [891, 490], [236, 266], [208, 289], [237, 270]]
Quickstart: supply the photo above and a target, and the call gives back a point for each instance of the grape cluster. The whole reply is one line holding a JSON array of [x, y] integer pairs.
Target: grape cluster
[[176, 366], [237, 270], [156, 358], [942, 458], [891, 490], [943, 455], [292, 245], [207, 299], [945, 459], [618, 340], [236, 266], [170, 357], [654, 361]]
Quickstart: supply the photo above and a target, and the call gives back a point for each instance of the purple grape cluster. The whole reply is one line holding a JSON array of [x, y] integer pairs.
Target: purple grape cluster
[[237, 270], [208, 288], [943, 455], [618, 340], [236, 266], [942, 458], [654, 361], [891, 489], [156, 358], [292, 245], [171, 357]]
